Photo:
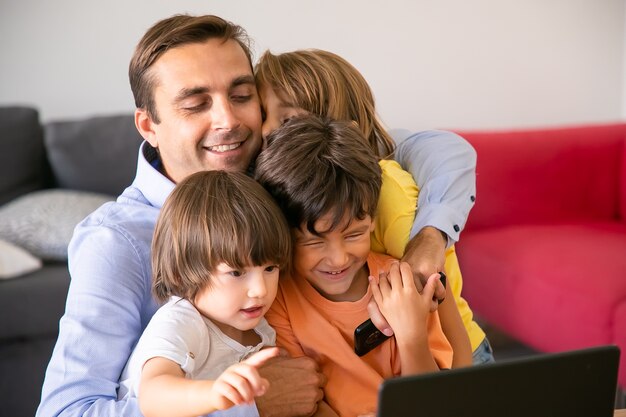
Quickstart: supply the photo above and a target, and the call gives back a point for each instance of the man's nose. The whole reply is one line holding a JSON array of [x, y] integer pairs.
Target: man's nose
[[223, 115]]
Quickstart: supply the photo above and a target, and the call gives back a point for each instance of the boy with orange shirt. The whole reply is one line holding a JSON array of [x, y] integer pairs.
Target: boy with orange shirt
[[327, 182]]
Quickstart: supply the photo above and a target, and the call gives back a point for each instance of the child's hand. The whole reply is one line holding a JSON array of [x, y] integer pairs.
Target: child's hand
[[241, 382], [403, 306]]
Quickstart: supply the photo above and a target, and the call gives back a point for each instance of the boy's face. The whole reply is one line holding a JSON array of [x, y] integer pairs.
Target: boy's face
[[237, 299], [333, 263]]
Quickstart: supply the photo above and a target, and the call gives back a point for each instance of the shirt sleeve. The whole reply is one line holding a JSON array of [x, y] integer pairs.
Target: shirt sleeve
[[443, 165], [108, 304]]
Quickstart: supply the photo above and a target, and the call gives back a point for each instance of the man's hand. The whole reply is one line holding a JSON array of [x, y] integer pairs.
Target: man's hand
[[295, 387], [426, 253]]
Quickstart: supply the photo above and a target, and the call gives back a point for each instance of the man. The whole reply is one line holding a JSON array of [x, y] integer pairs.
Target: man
[[198, 109]]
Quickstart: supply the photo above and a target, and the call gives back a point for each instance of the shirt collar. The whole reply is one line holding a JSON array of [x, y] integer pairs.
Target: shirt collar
[[153, 184]]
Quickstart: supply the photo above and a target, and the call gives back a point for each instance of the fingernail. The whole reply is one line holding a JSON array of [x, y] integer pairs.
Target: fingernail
[[387, 332]]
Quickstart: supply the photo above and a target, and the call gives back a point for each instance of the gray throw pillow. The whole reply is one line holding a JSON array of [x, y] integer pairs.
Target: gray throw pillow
[[42, 222]]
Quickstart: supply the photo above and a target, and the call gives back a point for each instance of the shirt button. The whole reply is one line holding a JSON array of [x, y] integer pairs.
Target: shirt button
[[457, 228], [472, 198]]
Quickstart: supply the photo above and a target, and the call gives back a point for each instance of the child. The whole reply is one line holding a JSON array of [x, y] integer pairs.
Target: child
[[322, 83], [218, 245], [327, 182]]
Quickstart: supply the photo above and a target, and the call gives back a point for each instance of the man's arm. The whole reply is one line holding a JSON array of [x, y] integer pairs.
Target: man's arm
[[443, 165], [108, 304]]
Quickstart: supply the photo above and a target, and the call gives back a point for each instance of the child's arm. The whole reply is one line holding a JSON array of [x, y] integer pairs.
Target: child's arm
[[455, 331], [164, 390], [407, 312]]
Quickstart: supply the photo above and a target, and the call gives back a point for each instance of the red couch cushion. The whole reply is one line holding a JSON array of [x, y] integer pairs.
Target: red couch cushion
[[555, 287]]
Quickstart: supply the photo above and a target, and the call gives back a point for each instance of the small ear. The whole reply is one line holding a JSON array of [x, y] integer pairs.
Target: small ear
[[145, 126]]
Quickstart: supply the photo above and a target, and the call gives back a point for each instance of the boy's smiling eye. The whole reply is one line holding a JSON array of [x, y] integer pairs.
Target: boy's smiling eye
[[355, 235]]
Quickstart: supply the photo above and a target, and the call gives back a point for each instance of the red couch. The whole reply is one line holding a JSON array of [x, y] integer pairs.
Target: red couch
[[543, 253]]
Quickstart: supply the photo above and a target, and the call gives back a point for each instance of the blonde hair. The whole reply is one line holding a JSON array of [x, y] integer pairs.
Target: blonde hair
[[213, 217], [325, 84]]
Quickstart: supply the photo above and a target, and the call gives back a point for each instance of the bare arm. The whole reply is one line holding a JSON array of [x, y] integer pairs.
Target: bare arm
[[165, 392], [454, 329]]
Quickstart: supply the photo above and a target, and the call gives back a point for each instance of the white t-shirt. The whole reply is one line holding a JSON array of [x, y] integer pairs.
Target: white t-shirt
[[178, 332]]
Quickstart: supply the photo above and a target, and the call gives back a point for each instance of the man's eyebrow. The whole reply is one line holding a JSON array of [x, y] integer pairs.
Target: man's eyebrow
[[243, 79], [188, 92]]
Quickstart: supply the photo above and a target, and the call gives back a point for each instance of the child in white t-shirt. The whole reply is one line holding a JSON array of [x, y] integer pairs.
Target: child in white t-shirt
[[218, 246]]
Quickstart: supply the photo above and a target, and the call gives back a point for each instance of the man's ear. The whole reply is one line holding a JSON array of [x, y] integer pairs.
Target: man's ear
[[145, 126]]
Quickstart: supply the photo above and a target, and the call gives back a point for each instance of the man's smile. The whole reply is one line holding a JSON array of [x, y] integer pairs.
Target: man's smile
[[223, 148]]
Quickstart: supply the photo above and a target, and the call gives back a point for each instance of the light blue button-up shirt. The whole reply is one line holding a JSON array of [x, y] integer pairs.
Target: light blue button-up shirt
[[109, 302]]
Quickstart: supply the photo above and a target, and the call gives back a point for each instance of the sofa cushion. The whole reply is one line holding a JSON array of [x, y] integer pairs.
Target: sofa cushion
[[43, 222], [554, 287], [15, 261], [22, 152], [97, 154]]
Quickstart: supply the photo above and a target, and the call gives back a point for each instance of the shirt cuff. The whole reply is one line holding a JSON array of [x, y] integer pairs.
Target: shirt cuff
[[440, 217]]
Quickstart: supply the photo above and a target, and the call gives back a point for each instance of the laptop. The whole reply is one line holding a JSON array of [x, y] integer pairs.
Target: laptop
[[578, 383]]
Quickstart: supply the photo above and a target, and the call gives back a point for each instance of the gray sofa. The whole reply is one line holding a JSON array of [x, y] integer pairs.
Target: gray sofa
[[51, 176]]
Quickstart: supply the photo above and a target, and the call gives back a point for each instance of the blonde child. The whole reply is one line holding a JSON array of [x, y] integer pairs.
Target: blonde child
[[327, 182], [322, 83], [219, 243]]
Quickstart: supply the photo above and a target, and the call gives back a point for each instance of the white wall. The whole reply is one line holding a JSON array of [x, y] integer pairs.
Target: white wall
[[431, 63]]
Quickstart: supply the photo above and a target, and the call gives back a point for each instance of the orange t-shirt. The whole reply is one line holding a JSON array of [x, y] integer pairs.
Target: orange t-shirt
[[308, 324]]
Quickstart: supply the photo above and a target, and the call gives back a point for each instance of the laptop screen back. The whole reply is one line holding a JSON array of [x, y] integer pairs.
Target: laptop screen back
[[569, 384]]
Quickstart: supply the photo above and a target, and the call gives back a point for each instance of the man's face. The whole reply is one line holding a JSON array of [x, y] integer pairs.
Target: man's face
[[208, 107]]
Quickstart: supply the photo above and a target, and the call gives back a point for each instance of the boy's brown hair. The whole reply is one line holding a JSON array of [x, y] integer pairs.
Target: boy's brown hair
[[213, 217], [170, 33], [314, 166], [325, 84]]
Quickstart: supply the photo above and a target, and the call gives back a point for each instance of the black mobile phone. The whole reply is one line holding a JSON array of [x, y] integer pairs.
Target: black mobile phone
[[367, 337]]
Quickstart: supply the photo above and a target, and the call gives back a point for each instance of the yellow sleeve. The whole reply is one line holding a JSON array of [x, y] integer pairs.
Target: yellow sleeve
[[396, 210]]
